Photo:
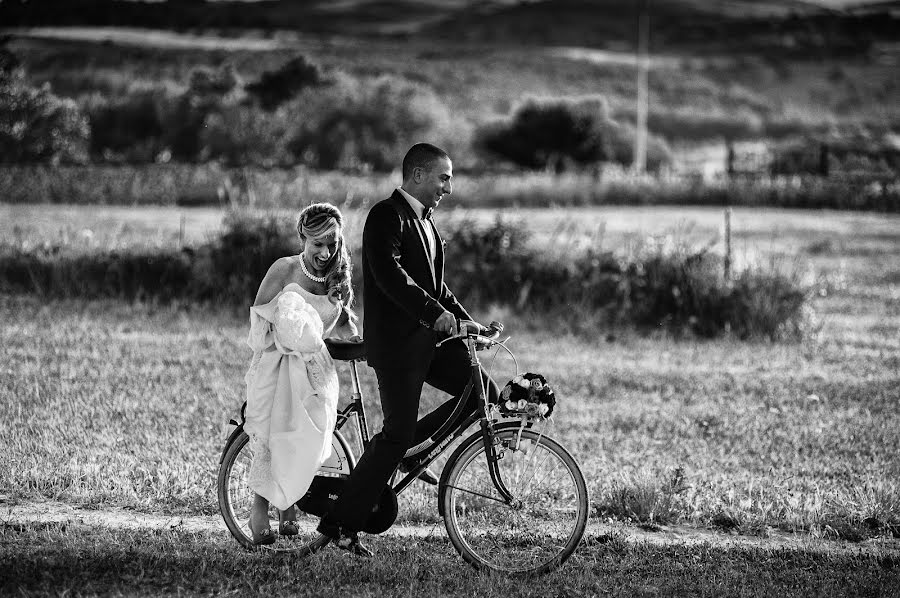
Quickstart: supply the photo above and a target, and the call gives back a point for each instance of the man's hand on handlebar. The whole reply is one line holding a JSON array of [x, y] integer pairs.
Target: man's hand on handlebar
[[447, 323], [469, 327]]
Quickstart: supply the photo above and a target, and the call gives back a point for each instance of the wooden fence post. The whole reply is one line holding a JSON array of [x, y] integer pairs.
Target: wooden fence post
[[823, 159], [729, 159], [727, 244]]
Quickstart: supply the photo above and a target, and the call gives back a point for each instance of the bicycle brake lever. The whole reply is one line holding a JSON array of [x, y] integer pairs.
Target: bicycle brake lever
[[449, 338]]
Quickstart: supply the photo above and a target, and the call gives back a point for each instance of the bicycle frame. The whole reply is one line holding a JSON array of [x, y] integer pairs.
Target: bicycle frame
[[447, 434]]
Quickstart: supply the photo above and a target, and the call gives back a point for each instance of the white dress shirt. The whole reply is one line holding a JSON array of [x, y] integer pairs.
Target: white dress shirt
[[419, 210]]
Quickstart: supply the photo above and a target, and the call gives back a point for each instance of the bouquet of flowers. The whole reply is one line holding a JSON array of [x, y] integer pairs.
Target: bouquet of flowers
[[527, 394]]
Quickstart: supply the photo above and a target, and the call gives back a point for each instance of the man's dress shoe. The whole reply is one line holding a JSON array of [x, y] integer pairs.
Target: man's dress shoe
[[342, 538]]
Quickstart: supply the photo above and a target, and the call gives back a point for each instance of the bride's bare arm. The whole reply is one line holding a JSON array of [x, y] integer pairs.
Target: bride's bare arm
[[273, 281]]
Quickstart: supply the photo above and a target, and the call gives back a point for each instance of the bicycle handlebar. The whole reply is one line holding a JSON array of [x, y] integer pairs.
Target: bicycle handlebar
[[485, 335]]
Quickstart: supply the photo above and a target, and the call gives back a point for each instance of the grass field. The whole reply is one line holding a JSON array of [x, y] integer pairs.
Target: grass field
[[106, 404], [54, 559]]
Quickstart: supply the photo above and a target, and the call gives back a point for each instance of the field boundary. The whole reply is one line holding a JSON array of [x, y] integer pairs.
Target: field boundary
[[44, 513]]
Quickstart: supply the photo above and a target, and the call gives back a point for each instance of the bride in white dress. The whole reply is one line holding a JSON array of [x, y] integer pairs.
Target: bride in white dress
[[292, 385]]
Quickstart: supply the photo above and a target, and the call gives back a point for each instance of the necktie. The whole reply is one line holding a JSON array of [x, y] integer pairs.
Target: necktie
[[429, 233]]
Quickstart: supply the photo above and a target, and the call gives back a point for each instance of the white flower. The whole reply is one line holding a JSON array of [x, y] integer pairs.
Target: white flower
[[524, 383], [543, 408], [522, 404], [518, 379], [510, 405]]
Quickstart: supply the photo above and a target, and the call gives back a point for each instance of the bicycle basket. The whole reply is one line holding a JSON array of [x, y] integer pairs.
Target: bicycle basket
[[527, 394]]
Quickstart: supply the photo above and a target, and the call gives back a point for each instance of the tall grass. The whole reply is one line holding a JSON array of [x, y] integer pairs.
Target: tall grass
[[213, 184], [678, 289]]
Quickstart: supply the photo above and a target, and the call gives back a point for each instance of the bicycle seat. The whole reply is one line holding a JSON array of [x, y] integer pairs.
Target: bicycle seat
[[345, 350]]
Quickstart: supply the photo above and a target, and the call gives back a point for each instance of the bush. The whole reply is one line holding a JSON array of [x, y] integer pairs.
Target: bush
[[679, 291], [129, 129], [489, 265], [768, 304], [243, 136], [551, 135], [208, 92], [156, 124], [231, 268], [562, 135], [670, 288], [130, 275], [367, 124], [37, 126], [676, 290], [276, 87]]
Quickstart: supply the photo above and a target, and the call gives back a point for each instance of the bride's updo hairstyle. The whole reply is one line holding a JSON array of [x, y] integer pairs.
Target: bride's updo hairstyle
[[320, 219]]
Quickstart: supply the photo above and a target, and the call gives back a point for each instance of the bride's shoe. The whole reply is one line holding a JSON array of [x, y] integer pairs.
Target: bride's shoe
[[287, 522], [262, 537]]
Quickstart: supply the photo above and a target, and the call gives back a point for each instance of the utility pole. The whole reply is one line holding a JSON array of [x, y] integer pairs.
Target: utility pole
[[643, 65]]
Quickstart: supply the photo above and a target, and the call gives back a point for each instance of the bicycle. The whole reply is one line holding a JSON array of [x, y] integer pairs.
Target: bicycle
[[512, 498]]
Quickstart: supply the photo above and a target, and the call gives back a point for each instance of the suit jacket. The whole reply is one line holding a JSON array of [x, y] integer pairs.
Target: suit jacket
[[403, 290]]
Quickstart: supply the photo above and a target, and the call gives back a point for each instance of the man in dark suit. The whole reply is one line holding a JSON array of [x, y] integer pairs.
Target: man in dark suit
[[408, 309]]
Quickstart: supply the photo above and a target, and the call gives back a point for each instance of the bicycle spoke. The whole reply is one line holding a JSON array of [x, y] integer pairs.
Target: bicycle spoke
[[236, 499], [539, 529], [467, 491]]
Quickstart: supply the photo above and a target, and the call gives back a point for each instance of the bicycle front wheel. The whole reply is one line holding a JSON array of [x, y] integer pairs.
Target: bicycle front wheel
[[236, 497], [536, 531]]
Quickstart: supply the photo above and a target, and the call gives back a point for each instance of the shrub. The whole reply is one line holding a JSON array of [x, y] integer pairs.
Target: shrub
[[768, 303], [231, 267], [208, 92], [563, 134], [243, 136], [37, 126], [367, 124], [549, 135], [9, 63], [129, 129], [490, 264], [127, 275], [677, 290], [276, 87], [621, 143], [156, 123]]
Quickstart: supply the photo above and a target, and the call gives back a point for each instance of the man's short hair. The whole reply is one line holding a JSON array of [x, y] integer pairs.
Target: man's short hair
[[421, 155]]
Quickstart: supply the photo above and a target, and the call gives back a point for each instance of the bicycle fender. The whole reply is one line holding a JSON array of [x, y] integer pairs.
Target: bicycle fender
[[231, 438], [464, 445]]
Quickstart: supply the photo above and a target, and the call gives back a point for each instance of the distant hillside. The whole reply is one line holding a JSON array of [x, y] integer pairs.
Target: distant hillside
[[767, 26], [790, 26]]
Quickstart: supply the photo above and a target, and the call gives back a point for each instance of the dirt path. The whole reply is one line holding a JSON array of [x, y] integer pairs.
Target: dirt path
[[30, 513]]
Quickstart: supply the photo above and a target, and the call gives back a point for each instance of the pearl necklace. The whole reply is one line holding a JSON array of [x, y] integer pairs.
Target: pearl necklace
[[307, 272]]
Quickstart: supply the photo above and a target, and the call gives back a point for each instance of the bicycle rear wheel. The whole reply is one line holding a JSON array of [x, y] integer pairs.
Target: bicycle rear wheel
[[542, 526], [236, 497]]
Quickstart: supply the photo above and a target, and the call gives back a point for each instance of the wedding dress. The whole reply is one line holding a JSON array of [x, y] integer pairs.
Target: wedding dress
[[292, 391]]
